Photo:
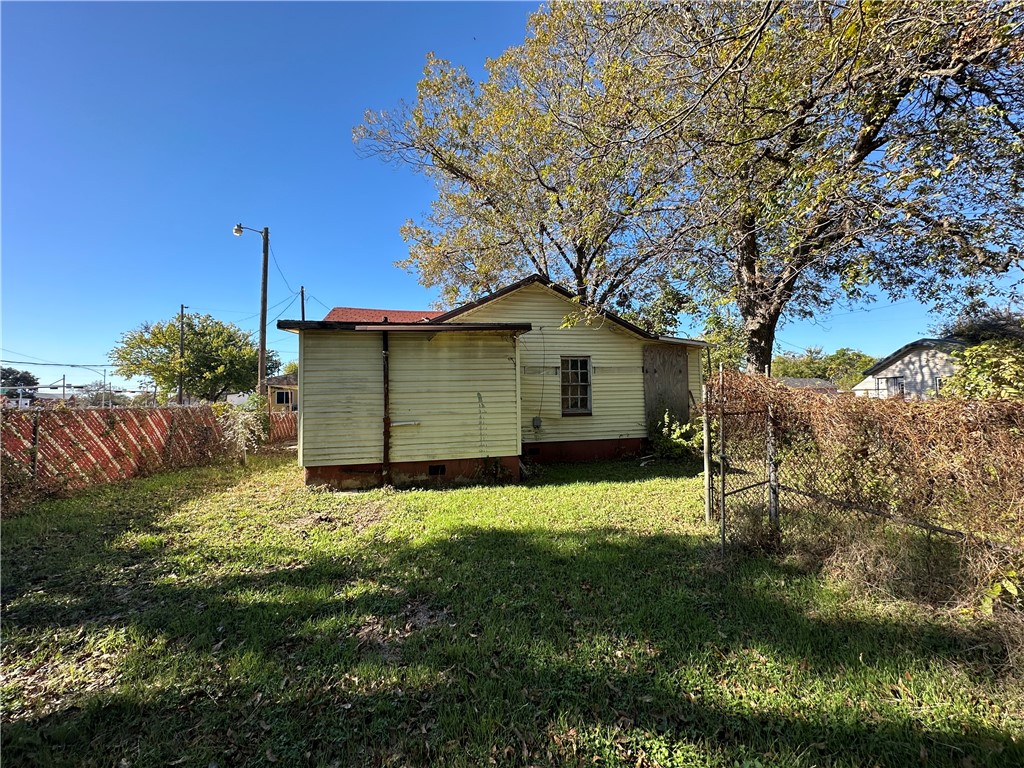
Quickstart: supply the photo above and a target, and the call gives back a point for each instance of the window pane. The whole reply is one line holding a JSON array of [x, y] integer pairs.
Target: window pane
[[575, 379]]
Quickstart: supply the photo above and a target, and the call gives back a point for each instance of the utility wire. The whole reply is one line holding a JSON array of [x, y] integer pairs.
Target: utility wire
[[286, 308], [25, 354], [274, 306], [279, 271], [59, 365]]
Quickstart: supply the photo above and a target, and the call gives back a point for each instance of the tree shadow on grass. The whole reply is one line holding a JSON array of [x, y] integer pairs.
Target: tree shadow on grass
[[522, 647], [58, 542], [618, 471]]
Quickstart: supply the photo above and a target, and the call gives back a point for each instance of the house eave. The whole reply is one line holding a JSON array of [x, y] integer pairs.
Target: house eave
[[296, 326], [943, 345]]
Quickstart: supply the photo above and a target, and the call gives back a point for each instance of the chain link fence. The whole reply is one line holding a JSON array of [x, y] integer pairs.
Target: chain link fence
[[847, 477]]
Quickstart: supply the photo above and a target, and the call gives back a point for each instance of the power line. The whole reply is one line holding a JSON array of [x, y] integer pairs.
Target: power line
[[314, 298], [791, 346], [279, 271], [59, 365], [286, 308], [275, 306], [865, 309], [25, 354]]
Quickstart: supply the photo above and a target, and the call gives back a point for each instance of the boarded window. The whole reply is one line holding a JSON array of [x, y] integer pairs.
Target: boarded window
[[576, 386]]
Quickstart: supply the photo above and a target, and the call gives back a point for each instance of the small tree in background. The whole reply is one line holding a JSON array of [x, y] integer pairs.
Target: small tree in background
[[15, 382], [219, 357], [291, 368], [844, 367], [97, 395]]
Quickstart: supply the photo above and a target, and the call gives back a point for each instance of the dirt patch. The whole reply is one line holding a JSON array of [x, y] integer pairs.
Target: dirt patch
[[357, 516], [375, 637], [368, 514]]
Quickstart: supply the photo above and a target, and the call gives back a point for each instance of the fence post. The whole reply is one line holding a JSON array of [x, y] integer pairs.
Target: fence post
[[721, 447], [707, 455], [773, 474], [35, 444]]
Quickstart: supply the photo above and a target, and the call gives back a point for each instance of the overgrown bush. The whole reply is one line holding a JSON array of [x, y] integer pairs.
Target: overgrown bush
[[672, 439], [246, 427], [908, 497], [993, 369]]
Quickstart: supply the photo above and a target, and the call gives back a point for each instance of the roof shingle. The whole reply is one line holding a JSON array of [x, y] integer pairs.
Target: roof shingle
[[359, 315]]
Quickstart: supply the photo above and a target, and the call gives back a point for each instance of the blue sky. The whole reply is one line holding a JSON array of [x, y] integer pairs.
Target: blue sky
[[135, 135]]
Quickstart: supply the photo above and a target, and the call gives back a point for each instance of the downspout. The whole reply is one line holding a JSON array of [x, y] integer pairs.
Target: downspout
[[385, 464]]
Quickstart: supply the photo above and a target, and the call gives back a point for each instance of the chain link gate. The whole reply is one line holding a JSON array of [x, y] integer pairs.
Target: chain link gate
[[742, 485]]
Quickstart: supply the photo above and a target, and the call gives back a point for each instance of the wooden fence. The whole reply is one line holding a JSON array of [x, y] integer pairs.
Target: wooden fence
[[283, 427], [46, 452], [65, 450]]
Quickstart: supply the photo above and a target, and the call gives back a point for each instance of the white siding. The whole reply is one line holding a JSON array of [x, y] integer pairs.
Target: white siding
[[453, 396], [616, 356], [695, 379], [341, 400], [919, 369]]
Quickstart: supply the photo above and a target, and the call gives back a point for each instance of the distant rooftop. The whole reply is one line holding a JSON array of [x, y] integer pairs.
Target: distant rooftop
[[360, 315]]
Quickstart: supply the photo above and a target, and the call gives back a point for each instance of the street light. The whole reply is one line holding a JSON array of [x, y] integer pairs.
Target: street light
[[265, 233]]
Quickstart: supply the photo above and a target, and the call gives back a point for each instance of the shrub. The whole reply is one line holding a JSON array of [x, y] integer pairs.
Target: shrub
[[246, 427], [672, 439]]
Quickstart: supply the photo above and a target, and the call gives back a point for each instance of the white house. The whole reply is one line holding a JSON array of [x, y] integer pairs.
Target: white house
[[406, 397], [915, 370]]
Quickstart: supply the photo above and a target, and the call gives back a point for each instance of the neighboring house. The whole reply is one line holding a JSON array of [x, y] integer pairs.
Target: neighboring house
[[821, 386], [14, 397], [283, 393], [405, 397], [915, 370]]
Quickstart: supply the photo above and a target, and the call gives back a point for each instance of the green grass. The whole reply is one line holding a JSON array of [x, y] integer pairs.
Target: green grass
[[234, 617]]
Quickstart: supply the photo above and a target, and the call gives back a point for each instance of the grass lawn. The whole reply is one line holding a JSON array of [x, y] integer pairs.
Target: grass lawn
[[234, 617]]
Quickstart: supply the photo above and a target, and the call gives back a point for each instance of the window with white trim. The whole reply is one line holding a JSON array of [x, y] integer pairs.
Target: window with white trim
[[284, 397], [576, 392]]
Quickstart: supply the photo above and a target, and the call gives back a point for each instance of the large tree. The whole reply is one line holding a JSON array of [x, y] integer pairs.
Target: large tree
[[775, 156], [531, 168], [219, 357], [854, 144]]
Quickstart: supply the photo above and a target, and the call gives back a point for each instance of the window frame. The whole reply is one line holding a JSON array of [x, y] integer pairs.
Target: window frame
[[565, 392], [277, 397], [895, 386]]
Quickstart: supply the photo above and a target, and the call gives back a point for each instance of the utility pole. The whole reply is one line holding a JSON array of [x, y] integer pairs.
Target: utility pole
[[181, 355], [263, 315], [302, 300], [262, 363]]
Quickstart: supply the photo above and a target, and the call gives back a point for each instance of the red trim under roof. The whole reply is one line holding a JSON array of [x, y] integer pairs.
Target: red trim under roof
[[359, 315]]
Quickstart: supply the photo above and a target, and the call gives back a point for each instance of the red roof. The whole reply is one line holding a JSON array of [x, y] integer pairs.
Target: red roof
[[359, 315]]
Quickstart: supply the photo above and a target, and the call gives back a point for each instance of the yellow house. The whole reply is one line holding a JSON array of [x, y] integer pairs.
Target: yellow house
[[283, 393], [406, 397]]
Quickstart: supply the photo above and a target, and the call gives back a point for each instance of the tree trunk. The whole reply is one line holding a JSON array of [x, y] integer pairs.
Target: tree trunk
[[756, 296], [760, 331]]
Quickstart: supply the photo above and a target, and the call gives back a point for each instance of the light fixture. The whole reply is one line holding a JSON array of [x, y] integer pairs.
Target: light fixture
[[237, 230]]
